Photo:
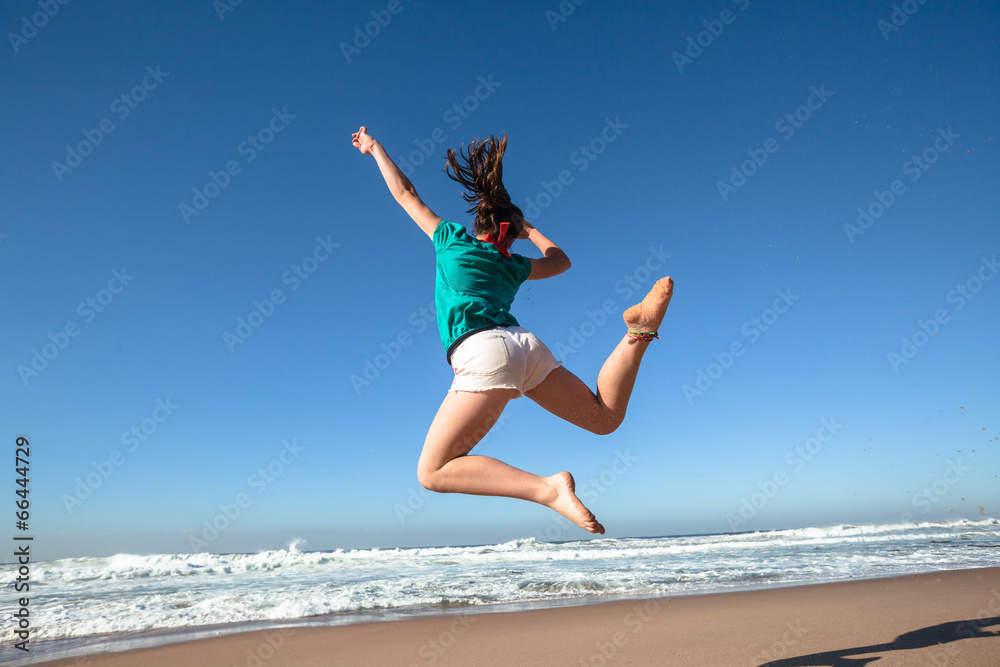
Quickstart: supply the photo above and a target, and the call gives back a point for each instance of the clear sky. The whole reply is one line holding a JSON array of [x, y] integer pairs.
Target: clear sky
[[215, 313]]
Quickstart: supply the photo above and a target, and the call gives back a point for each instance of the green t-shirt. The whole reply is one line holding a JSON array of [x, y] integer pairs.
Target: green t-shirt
[[474, 284]]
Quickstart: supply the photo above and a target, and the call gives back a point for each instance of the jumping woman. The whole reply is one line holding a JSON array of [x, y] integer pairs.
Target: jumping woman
[[494, 358]]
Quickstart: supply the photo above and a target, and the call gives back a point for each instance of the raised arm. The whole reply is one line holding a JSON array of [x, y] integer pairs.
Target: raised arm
[[399, 185], [554, 260]]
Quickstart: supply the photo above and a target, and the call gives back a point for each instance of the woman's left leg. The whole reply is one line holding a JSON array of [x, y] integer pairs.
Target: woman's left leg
[[445, 465], [566, 396]]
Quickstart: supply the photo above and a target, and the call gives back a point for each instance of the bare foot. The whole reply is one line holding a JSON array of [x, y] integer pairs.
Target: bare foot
[[648, 315], [567, 504]]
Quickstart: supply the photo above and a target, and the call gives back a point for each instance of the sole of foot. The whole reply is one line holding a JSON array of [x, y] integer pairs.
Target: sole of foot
[[648, 315], [567, 504]]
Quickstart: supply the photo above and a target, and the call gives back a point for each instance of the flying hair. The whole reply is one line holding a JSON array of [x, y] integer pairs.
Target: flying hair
[[479, 169]]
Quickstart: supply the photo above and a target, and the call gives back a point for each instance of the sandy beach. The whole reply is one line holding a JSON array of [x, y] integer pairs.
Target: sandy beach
[[945, 618]]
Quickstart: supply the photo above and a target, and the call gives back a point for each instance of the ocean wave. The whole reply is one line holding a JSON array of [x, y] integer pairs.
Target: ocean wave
[[131, 566], [80, 597]]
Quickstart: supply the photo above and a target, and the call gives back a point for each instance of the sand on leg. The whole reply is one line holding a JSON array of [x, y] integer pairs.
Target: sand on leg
[[445, 465], [565, 395]]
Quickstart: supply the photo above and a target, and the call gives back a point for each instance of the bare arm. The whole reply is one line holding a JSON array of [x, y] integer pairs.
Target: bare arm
[[554, 260], [399, 185]]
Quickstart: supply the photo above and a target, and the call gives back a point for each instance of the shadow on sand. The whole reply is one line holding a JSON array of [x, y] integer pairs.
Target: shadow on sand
[[934, 635]]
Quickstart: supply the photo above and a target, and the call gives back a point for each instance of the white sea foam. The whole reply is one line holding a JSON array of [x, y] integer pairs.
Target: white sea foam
[[80, 597]]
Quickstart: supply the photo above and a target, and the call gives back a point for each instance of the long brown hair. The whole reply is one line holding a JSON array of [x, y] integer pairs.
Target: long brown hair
[[480, 170]]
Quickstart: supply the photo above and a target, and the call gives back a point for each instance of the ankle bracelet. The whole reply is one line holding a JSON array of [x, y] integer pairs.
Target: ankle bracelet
[[645, 336]]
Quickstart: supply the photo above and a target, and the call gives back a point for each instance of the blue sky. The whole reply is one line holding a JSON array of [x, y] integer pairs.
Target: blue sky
[[199, 270]]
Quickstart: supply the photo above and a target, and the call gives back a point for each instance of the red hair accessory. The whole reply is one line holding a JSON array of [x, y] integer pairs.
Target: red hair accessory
[[504, 226]]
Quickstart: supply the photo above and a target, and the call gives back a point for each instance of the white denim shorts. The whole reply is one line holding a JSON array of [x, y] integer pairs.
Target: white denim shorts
[[502, 358]]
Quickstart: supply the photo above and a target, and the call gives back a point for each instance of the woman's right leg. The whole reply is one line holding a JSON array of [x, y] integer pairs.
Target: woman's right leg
[[565, 395], [445, 465]]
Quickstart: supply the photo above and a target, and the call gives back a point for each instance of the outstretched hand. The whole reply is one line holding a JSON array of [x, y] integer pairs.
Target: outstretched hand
[[362, 141]]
